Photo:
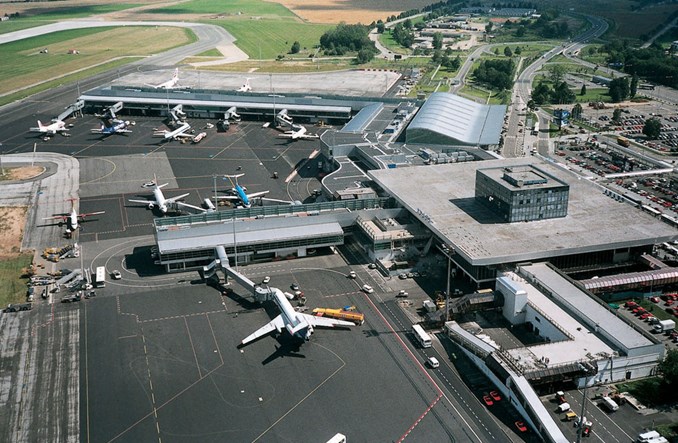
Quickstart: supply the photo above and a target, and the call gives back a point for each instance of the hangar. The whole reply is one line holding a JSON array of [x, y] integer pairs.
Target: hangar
[[453, 120]]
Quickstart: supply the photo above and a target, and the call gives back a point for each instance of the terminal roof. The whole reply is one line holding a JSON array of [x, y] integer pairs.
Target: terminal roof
[[443, 197]]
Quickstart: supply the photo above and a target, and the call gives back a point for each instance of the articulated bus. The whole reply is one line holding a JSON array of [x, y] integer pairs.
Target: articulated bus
[[422, 337]]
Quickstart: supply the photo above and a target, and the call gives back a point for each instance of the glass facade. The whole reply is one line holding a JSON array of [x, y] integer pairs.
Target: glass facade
[[536, 197]]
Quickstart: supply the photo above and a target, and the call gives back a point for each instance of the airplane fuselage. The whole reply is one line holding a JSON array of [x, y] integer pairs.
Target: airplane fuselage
[[160, 201], [295, 324], [243, 196]]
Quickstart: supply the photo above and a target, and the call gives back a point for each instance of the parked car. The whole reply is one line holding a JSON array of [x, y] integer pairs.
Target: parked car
[[294, 286], [495, 395], [521, 426], [403, 294], [488, 400]]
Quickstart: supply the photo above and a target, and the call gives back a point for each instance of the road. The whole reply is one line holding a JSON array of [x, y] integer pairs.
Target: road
[[513, 141], [460, 396]]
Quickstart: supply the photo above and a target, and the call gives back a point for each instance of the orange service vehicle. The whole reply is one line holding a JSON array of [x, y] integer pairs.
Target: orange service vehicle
[[340, 314]]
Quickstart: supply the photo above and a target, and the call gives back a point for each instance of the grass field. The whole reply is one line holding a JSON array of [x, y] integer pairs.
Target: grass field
[[12, 286], [266, 39], [386, 39], [54, 13], [231, 7], [211, 53], [31, 19], [23, 64], [70, 78]]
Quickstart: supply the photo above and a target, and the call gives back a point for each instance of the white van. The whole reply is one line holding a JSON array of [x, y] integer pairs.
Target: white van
[[564, 407], [610, 404], [433, 362], [647, 437]]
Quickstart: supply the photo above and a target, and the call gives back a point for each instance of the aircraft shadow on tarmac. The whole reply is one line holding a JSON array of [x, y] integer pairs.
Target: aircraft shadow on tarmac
[[288, 347]]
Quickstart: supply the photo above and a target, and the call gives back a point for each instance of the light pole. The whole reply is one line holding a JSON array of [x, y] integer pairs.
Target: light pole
[[580, 429], [216, 201]]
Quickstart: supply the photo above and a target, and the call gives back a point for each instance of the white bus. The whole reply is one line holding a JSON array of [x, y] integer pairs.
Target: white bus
[[422, 337], [100, 277]]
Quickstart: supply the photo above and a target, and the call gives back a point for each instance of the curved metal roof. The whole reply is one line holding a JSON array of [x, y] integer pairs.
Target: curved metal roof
[[457, 118]]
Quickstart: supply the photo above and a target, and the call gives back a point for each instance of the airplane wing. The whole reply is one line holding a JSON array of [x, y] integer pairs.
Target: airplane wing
[[141, 201], [257, 194], [89, 214], [197, 208], [56, 217], [277, 200], [325, 322], [229, 197], [178, 197], [277, 324]]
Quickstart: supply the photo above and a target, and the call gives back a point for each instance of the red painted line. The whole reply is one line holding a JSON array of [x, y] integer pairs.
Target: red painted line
[[416, 360]]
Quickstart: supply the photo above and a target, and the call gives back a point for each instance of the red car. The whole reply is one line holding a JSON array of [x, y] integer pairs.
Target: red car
[[488, 401], [668, 303], [495, 395], [645, 315], [629, 304], [521, 426], [654, 299]]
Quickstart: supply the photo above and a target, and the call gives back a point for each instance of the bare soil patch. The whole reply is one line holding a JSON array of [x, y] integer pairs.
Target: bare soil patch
[[12, 222], [24, 172]]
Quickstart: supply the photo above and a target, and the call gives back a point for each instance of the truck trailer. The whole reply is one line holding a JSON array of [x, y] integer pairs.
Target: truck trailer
[[340, 314], [665, 326]]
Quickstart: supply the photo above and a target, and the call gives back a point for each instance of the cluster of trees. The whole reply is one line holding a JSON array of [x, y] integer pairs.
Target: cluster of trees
[[620, 89], [403, 34], [547, 26], [346, 38], [652, 63], [498, 74], [408, 13], [560, 93], [445, 59]]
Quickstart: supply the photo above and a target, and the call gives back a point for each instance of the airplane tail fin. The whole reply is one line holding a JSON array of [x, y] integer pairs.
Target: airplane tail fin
[[40, 125]]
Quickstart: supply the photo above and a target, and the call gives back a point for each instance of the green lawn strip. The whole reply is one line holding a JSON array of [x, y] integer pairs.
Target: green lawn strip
[[12, 286], [386, 39], [89, 72], [20, 24], [231, 7], [649, 391], [210, 53], [266, 39], [65, 13]]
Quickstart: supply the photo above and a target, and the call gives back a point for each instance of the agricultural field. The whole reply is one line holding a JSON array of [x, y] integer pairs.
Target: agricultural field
[[350, 11], [256, 8], [24, 65]]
